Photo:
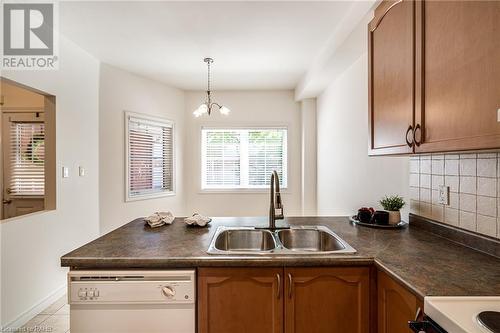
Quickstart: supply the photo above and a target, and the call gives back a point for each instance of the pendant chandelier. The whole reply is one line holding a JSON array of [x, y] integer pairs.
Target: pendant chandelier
[[208, 105]]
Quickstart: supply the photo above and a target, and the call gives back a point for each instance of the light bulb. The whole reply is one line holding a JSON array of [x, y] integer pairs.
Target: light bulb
[[224, 110], [201, 110]]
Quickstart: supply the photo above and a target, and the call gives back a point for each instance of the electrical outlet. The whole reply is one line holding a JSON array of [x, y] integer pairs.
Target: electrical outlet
[[444, 195], [65, 172], [81, 171]]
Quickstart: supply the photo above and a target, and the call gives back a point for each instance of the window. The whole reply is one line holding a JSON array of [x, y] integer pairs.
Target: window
[[150, 156], [27, 159], [243, 158], [28, 164]]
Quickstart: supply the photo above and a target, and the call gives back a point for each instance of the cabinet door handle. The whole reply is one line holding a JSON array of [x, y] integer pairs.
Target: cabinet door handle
[[290, 283], [408, 142], [278, 293], [415, 133], [418, 313]]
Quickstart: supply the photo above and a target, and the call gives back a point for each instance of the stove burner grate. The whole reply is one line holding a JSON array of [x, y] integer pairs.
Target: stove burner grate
[[490, 320]]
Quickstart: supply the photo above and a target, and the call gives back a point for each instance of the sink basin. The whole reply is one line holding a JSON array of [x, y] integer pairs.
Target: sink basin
[[310, 240], [296, 240], [245, 240]]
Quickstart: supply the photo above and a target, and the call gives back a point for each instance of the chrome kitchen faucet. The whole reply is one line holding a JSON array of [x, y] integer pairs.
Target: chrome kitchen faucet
[[276, 206]]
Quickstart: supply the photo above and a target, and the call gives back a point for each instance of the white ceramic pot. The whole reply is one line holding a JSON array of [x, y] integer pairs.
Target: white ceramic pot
[[394, 216]]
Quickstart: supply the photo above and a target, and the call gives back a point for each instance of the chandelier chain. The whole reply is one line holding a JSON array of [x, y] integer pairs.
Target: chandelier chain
[[208, 64]]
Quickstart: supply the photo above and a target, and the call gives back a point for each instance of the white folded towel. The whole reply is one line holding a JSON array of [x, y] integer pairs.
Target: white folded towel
[[159, 218], [198, 220]]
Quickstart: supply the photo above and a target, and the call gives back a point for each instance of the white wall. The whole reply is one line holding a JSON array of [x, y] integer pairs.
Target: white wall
[[248, 108], [309, 159], [32, 245], [122, 91], [347, 178]]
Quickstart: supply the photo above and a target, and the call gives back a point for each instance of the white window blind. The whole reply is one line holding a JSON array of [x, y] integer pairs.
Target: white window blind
[[150, 157], [243, 158], [27, 159]]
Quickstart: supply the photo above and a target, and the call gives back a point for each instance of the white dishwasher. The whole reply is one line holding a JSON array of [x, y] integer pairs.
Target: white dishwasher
[[132, 301]]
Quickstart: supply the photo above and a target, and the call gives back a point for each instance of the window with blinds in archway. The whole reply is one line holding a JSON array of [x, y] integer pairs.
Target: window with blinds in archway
[[27, 159]]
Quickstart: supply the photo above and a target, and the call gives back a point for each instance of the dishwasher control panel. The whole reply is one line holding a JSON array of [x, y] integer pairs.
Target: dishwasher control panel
[[88, 293], [134, 287]]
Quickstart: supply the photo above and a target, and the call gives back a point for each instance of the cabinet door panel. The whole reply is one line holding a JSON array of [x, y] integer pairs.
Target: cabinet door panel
[[240, 300], [458, 58], [326, 300], [396, 306], [391, 62]]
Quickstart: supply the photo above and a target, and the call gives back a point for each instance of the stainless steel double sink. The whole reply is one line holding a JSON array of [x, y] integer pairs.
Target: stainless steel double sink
[[295, 240]]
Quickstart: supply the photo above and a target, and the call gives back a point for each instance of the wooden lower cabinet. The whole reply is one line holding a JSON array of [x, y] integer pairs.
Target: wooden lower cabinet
[[327, 300], [240, 300], [303, 300], [396, 305], [295, 300]]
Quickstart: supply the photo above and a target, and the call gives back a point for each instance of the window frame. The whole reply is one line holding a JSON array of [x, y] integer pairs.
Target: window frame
[[230, 127], [28, 117], [162, 121]]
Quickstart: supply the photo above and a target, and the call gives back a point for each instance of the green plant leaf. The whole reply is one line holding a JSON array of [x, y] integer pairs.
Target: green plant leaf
[[393, 202]]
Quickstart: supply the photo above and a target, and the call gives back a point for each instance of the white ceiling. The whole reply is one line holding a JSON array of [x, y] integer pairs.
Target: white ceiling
[[256, 45]]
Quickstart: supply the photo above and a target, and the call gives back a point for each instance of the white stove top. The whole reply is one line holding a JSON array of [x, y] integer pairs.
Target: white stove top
[[458, 314]]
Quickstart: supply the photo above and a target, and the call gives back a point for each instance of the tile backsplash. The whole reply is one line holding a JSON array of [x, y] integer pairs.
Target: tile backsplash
[[474, 196]]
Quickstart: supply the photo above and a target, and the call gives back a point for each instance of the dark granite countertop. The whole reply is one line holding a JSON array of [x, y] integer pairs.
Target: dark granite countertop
[[425, 263]]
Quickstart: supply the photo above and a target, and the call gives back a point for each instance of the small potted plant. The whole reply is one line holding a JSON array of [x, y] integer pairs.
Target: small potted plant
[[393, 204]]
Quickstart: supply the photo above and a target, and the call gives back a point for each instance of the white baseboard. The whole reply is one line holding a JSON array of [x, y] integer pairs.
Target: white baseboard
[[26, 316]]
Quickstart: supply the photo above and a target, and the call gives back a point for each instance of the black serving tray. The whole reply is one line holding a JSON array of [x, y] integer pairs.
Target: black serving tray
[[400, 225]]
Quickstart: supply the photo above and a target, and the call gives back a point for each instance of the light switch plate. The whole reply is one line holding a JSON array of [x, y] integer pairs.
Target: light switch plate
[[444, 195], [498, 115], [65, 172], [81, 171]]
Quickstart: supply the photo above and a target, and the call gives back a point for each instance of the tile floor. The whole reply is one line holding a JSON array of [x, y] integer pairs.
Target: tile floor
[[54, 319]]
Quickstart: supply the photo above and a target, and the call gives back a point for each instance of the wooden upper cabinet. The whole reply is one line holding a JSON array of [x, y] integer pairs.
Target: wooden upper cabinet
[[458, 75], [243, 300], [396, 305], [326, 300], [391, 77]]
